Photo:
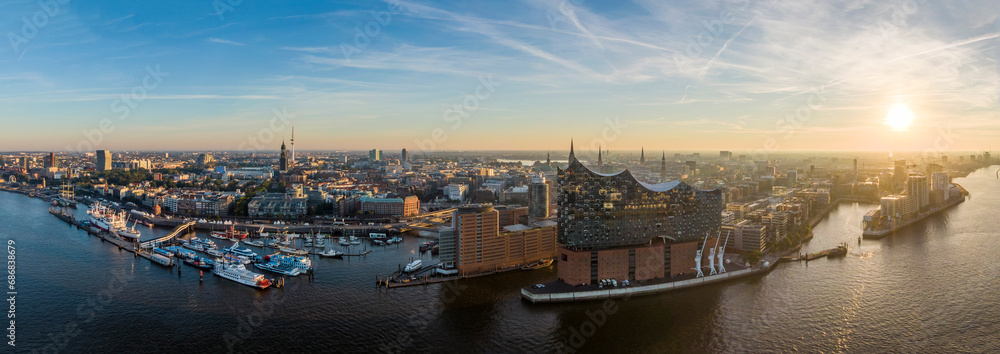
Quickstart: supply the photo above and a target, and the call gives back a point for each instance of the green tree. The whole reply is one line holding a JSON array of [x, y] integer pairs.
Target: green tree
[[752, 257]]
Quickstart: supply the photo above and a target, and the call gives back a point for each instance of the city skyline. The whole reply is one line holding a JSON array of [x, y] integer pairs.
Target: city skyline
[[864, 77]]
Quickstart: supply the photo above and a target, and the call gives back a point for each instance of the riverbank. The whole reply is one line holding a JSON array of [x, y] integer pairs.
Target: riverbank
[[568, 293], [877, 234], [561, 292]]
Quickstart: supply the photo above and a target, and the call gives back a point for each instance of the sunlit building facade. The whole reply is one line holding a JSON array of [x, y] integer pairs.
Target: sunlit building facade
[[614, 226]]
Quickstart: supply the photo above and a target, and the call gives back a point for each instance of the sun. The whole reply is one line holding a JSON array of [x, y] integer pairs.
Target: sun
[[899, 118]]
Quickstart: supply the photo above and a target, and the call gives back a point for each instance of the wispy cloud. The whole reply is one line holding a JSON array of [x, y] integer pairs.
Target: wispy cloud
[[224, 41], [669, 66]]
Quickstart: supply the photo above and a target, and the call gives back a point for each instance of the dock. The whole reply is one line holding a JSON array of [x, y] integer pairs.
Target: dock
[[129, 246], [833, 252], [185, 228], [423, 276], [569, 293]]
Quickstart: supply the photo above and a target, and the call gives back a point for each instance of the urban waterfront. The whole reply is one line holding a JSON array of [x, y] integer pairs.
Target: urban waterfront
[[921, 290]]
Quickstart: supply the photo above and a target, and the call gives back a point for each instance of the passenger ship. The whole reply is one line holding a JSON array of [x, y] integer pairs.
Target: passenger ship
[[238, 273], [105, 219]]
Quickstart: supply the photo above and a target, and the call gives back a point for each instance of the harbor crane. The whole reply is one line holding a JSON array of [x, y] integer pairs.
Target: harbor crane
[[711, 256], [697, 258], [722, 251]]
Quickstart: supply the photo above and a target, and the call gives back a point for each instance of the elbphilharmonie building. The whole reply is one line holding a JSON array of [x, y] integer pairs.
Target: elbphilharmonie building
[[614, 226]]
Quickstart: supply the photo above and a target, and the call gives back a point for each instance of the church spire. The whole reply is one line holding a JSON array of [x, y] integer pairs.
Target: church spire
[[642, 156], [663, 165], [571, 155]]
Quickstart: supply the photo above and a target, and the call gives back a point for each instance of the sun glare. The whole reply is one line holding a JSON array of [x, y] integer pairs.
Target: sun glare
[[899, 118]]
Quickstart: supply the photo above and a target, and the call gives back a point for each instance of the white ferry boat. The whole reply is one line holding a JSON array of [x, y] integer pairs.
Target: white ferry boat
[[238, 273], [241, 252], [332, 254], [414, 266], [280, 265], [194, 246]]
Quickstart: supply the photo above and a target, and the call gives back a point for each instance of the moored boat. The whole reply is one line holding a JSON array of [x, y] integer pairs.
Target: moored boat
[[413, 266], [230, 233], [293, 251], [839, 251], [537, 264], [241, 252], [194, 246], [254, 243], [186, 254], [162, 260], [163, 252], [303, 263], [200, 263], [332, 254], [427, 246], [278, 265], [237, 272]]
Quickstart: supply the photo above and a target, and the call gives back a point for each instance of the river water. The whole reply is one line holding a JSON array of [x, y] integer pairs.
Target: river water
[[930, 288]]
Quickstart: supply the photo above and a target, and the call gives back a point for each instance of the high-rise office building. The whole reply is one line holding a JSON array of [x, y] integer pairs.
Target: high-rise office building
[[538, 198], [917, 188], [375, 155], [405, 156], [940, 185], [50, 160], [793, 178], [103, 160]]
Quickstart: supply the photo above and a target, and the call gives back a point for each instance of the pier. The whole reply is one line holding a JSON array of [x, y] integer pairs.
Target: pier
[[833, 252], [179, 230], [569, 293], [108, 237]]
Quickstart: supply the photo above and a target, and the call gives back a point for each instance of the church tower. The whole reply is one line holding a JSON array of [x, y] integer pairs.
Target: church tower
[[283, 160]]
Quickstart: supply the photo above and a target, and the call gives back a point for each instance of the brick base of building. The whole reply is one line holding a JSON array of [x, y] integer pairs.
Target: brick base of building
[[637, 263]]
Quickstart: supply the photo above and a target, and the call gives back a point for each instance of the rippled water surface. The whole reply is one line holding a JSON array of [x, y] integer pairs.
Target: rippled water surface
[[930, 288]]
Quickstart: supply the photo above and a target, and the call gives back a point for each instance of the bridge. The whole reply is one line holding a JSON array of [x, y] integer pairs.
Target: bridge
[[185, 227]]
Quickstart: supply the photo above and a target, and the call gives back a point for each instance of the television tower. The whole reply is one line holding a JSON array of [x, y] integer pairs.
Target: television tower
[[293, 146]]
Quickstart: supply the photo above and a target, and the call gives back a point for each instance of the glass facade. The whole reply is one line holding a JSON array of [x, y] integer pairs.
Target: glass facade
[[598, 211]]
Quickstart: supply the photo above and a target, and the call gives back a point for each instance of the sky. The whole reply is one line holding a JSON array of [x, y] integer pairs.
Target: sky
[[742, 75]]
